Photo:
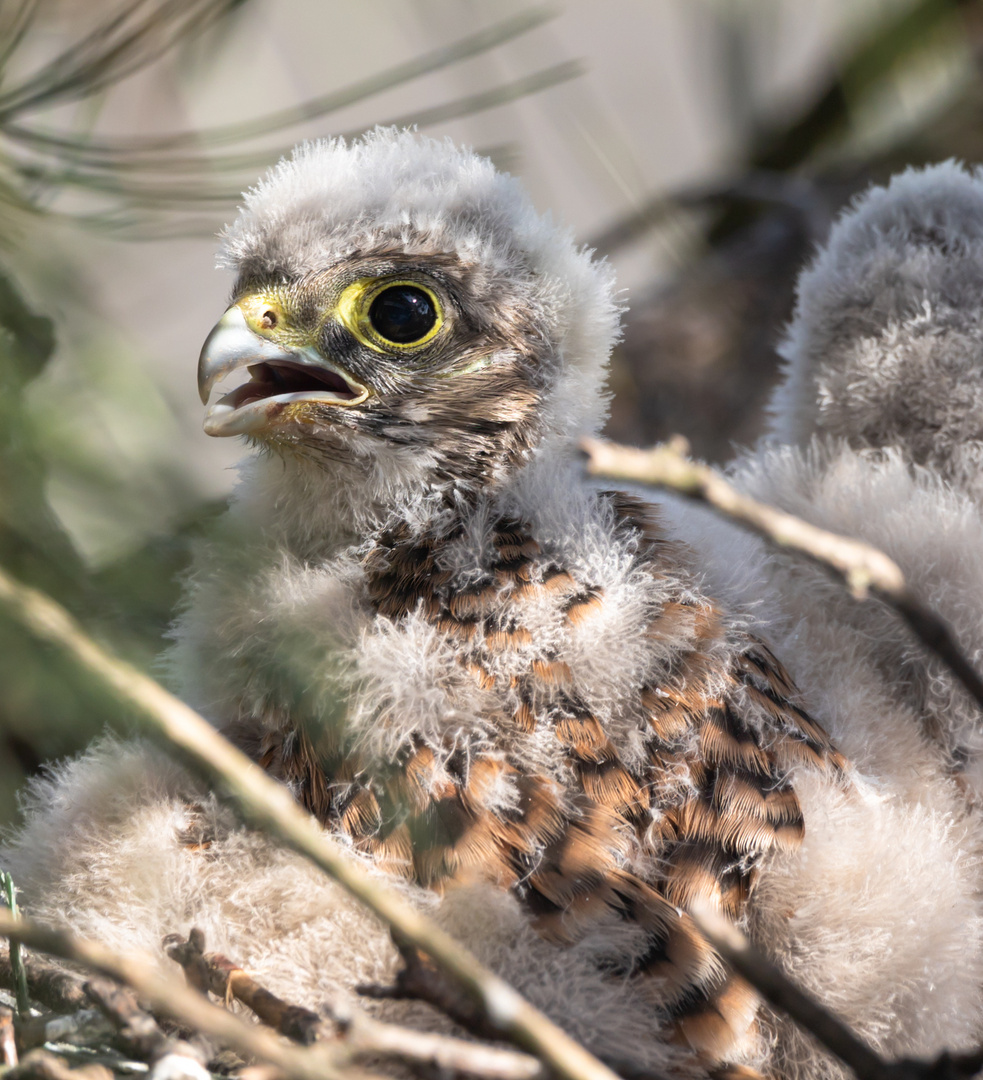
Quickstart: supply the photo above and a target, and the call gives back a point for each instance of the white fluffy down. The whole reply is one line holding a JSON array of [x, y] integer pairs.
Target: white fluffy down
[[880, 912], [102, 854], [886, 347], [331, 199]]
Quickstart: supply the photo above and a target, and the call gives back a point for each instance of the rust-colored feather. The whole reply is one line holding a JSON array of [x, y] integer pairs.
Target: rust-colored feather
[[585, 605], [475, 603], [603, 839], [553, 674], [502, 640], [584, 737]]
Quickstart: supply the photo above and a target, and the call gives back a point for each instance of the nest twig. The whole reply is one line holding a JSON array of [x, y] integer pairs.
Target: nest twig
[[353, 1034], [864, 569]]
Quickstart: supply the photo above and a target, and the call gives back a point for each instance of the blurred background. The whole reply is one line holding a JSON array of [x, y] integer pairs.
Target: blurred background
[[703, 146]]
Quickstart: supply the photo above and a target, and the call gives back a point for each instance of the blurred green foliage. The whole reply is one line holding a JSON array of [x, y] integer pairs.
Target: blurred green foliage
[[57, 423], [44, 709]]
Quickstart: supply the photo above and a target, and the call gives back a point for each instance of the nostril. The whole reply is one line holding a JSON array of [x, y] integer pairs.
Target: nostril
[[268, 319]]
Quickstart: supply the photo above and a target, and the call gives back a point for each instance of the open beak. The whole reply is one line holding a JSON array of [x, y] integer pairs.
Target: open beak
[[276, 378]]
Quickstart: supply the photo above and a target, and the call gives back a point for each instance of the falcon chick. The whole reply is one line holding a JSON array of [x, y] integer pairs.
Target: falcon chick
[[462, 659], [507, 690]]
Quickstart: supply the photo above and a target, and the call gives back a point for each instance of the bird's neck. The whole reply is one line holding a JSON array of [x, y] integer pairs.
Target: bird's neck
[[313, 511]]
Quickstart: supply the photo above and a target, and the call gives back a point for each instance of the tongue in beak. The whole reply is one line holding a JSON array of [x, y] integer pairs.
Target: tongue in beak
[[274, 378], [279, 378]]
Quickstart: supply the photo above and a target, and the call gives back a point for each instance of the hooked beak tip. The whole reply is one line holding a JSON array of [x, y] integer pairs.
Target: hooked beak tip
[[227, 345], [304, 375]]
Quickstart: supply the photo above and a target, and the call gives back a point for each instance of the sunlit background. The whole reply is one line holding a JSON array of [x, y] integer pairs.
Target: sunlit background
[[701, 145]]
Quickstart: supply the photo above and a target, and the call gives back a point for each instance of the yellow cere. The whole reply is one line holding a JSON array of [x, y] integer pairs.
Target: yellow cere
[[257, 307], [353, 312]]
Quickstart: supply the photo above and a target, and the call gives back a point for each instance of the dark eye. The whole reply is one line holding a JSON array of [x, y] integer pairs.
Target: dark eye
[[403, 314]]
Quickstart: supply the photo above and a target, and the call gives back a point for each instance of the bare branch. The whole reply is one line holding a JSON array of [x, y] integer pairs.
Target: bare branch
[[420, 980], [779, 990], [863, 568], [828, 1029], [170, 998], [58, 990], [361, 1035], [366, 1036], [225, 979], [136, 1031], [269, 805]]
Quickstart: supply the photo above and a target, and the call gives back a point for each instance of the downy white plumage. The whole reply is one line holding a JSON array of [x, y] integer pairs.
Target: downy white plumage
[[301, 619]]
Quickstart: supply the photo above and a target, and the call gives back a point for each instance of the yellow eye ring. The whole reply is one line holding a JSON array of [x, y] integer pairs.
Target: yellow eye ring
[[417, 309]]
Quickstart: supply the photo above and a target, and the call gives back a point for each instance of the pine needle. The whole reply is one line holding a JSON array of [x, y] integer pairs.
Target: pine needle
[[9, 891]]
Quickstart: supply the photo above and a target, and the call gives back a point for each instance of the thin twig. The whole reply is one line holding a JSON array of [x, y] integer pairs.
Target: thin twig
[[864, 569], [268, 805], [16, 963], [361, 1035], [364, 1035], [828, 1029], [783, 190], [58, 990], [169, 997], [420, 980], [225, 979], [779, 990], [136, 1032]]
